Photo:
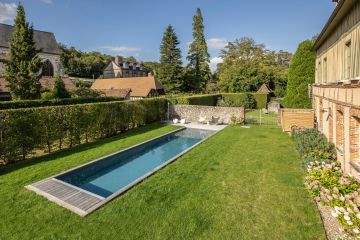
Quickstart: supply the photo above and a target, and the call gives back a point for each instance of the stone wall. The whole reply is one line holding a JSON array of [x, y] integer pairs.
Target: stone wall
[[192, 113], [53, 58]]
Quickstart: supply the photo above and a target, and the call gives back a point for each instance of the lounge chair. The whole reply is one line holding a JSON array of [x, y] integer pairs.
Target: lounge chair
[[175, 121], [183, 121], [202, 120], [215, 120]]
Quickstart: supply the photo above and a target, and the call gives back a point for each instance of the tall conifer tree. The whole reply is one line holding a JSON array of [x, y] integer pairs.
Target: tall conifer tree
[[23, 67], [198, 56], [170, 62]]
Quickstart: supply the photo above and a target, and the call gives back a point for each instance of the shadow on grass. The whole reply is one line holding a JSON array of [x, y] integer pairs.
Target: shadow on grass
[[78, 149]]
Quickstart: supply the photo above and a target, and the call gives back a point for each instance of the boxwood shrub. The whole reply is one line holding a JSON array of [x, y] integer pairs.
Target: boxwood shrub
[[24, 131], [55, 102]]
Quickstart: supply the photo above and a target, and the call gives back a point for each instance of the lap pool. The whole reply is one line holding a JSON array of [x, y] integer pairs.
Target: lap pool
[[101, 180]]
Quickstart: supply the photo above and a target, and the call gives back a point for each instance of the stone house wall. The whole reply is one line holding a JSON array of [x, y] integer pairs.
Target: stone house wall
[[53, 58], [192, 113]]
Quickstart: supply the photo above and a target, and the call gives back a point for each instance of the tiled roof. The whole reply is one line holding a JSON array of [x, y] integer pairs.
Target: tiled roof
[[46, 83], [115, 92], [43, 40], [140, 86], [264, 89]]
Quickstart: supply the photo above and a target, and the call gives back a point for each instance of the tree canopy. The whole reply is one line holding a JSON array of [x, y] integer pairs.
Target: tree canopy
[[23, 65], [301, 74], [247, 65], [198, 73], [170, 68]]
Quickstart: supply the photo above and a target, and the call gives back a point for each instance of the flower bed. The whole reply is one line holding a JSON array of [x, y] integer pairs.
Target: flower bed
[[329, 185]]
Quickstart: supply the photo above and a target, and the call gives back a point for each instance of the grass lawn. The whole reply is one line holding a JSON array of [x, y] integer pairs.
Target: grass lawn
[[240, 184], [253, 116]]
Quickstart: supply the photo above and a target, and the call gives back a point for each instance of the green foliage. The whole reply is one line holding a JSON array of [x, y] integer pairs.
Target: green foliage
[[170, 70], [59, 90], [55, 102], [23, 65], [198, 69], [261, 99], [313, 145], [301, 74], [24, 131], [234, 121], [85, 92], [247, 65], [83, 64], [204, 100], [152, 67], [47, 96]]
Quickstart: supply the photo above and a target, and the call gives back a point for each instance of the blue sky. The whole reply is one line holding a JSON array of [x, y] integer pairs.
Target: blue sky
[[136, 27]]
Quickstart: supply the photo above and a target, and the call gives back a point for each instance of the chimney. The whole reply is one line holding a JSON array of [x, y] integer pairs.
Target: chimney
[[335, 2], [117, 60]]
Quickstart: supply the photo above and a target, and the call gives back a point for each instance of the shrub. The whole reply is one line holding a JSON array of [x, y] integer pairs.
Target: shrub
[[24, 131], [301, 73], [47, 96], [204, 100], [55, 102], [314, 145], [59, 90], [261, 99]]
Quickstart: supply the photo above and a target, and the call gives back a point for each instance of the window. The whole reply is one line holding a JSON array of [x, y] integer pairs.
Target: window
[[325, 71], [347, 60]]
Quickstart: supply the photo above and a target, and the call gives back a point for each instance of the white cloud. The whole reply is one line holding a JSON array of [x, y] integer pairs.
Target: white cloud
[[47, 1], [121, 49], [7, 12], [216, 43], [214, 62]]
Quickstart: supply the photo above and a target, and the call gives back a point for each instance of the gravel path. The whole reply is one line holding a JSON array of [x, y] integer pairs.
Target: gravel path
[[331, 224]]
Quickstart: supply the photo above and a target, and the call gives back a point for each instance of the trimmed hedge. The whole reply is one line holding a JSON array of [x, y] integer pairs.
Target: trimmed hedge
[[203, 100], [261, 98], [24, 131], [55, 102]]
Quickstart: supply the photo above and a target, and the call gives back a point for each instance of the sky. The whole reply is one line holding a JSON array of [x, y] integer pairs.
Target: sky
[[135, 28]]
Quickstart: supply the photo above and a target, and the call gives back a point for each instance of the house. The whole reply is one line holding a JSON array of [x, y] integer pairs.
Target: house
[[123, 93], [123, 69], [44, 41], [336, 92], [141, 87]]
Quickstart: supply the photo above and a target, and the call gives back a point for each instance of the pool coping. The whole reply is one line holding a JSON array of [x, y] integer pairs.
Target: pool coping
[[102, 200]]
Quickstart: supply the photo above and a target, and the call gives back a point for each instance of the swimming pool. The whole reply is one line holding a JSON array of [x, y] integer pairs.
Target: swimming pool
[[115, 172], [86, 188]]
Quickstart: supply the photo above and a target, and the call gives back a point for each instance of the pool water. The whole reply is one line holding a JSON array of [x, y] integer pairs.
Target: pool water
[[109, 175]]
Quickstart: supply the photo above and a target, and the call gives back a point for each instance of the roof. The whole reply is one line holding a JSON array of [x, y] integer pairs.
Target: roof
[[342, 8], [116, 92], [44, 41], [140, 86], [264, 89], [46, 83]]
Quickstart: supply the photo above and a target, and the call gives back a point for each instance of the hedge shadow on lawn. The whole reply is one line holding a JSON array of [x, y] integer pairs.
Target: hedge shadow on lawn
[[78, 148]]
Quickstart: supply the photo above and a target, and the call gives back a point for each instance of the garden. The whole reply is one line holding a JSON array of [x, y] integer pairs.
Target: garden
[[239, 184]]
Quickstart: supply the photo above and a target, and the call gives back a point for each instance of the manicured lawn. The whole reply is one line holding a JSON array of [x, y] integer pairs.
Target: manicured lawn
[[253, 116], [240, 184]]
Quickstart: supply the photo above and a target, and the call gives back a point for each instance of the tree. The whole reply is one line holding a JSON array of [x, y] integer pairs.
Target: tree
[[301, 74], [198, 56], [247, 65], [23, 66], [170, 62], [59, 90]]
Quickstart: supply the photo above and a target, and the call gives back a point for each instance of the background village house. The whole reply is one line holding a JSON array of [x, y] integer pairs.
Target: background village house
[[124, 69], [50, 55]]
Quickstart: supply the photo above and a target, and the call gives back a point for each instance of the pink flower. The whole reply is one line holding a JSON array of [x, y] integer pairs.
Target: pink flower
[[344, 181]]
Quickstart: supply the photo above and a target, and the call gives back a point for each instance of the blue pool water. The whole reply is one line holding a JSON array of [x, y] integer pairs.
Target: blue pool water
[[111, 174]]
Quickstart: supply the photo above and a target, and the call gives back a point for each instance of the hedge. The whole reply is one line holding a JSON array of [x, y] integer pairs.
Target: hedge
[[55, 102], [203, 100], [261, 98], [46, 129]]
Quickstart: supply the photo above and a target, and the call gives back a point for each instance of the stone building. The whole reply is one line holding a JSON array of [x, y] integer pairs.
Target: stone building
[[44, 41], [123, 69], [336, 92]]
